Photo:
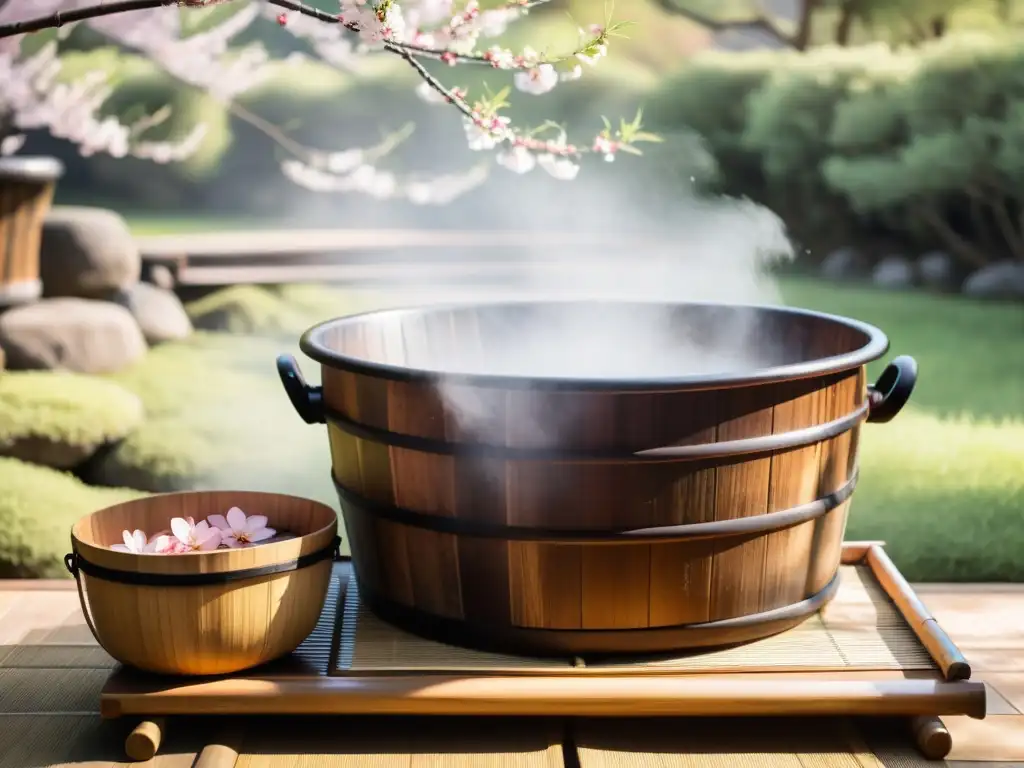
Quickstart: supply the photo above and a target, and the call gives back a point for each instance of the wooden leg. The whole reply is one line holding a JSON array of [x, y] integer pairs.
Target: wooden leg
[[144, 742], [223, 753], [932, 737]]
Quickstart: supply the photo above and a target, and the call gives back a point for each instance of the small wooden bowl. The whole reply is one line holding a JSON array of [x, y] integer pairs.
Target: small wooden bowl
[[204, 613]]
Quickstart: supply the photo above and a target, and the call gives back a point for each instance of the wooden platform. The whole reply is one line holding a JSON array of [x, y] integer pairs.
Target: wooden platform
[[875, 651], [52, 674], [366, 257]]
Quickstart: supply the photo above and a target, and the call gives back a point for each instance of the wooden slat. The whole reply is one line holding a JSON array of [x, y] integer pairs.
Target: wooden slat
[[398, 274], [44, 617], [272, 243], [716, 743], [998, 738], [1010, 686], [403, 743]]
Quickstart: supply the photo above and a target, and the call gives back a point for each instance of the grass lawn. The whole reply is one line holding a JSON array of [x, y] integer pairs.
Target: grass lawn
[[943, 483], [146, 224]]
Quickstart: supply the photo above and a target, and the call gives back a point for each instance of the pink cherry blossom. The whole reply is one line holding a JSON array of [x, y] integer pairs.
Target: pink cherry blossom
[[538, 80], [561, 168], [134, 542], [518, 159], [593, 54], [606, 147], [168, 545], [195, 537], [485, 133], [238, 530]]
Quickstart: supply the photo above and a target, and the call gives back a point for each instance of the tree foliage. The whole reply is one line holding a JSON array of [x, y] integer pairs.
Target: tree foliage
[[801, 24], [924, 144]]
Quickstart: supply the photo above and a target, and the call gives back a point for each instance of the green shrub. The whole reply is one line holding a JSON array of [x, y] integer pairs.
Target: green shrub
[[923, 146], [245, 309], [709, 97], [38, 506], [66, 408], [947, 169], [218, 415]]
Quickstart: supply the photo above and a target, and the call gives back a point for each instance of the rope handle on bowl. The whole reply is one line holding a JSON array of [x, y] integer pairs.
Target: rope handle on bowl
[[308, 401], [71, 563], [892, 390]]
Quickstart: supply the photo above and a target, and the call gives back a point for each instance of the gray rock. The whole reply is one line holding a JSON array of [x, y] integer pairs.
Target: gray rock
[[845, 264], [87, 253], [158, 312], [1002, 280], [161, 276], [78, 335], [893, 272], [939, 271]]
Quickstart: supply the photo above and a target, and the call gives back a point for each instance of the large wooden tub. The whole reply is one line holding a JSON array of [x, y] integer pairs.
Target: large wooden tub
[[625, 513], [26, 191]]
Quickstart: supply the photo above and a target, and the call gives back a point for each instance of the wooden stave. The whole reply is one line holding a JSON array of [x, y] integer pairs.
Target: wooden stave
[[535, 641], [385, 409], [24, 202], [821, 542]]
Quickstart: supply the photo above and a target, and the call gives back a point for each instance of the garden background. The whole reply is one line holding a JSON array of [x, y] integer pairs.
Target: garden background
[[889, 136]]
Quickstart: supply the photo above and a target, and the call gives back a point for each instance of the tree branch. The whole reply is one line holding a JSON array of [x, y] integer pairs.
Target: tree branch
[[758, 23], [60, 18]]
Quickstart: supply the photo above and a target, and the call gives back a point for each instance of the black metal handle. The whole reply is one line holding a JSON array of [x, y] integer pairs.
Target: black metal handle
[[892, 390], [308, 401]]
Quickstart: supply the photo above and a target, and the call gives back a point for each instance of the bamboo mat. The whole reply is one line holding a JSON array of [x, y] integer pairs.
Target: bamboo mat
[[860, 629]]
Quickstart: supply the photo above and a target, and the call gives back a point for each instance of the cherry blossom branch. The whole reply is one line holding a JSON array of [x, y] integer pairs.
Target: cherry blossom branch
[[436, 85], [58, 19], [413, 35], [760, 22]]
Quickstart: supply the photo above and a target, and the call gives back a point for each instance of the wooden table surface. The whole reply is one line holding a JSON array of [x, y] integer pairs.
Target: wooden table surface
[[51, 673]]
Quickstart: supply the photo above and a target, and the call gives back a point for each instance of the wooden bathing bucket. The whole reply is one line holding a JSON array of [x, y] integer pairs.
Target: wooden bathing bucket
[[26, 191], [602, 515], [203, 613]]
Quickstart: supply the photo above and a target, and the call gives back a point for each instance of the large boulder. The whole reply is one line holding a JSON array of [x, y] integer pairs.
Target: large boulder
[[845, 264], [61, 419], [159, 313], [38, 506], [938, 271], [893, 272], [77, 335], [87, 253], [1002, 280]]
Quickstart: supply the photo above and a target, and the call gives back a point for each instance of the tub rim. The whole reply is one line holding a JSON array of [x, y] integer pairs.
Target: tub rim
[[877, 345]]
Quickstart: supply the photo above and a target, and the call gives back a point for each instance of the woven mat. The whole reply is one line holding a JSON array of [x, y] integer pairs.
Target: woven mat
[[860, 629]]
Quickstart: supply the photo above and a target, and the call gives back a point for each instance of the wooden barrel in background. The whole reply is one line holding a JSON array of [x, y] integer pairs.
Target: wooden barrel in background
[[26, 190], [657, 515]]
